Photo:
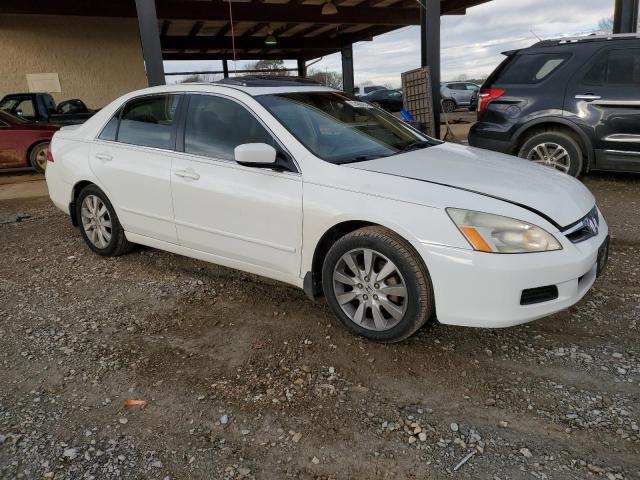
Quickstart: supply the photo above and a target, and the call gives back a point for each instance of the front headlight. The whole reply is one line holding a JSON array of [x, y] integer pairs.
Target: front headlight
[[497, 234]]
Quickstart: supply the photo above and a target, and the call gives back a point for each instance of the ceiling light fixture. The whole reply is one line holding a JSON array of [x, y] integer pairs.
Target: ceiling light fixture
[[270, 39], [329, 8]]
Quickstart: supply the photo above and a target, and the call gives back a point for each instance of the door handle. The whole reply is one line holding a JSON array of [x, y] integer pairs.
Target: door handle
[[189, 173], [104, 157], [588, 97]]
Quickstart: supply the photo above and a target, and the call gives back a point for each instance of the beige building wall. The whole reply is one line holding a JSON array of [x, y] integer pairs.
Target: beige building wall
[[97, 59]]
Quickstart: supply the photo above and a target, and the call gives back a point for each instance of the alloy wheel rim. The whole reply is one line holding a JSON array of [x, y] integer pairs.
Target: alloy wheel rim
[[96, 221], [370, 289], [552, 155], [41, 158]]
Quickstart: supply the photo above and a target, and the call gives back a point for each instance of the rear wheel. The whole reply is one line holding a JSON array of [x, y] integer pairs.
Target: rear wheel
[[99, 224], [377, 286], [448, 105], [554, 149], [38, 156]]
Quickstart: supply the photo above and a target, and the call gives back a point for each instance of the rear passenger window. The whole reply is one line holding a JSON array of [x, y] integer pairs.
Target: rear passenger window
[[148, 121], [617, 67], [110, 129], [531, 68], [215, 126]]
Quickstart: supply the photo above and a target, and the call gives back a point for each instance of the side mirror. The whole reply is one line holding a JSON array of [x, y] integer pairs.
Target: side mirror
[[255, 155]]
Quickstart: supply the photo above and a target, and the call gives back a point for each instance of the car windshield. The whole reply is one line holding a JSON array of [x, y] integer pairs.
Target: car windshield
[[339, 128]]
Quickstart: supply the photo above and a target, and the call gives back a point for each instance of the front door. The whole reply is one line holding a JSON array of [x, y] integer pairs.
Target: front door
[[246, 217], [134, 167], [605, 98]]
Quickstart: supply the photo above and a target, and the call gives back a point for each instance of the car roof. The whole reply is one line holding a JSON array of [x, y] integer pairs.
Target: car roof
[[586, 39], [251, 85]]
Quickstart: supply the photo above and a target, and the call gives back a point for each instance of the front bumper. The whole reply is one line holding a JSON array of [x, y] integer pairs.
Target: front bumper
[[477, 289]]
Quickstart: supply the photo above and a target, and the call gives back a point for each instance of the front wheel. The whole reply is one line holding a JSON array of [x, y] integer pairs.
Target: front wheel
[[377, 286], [99, 223]]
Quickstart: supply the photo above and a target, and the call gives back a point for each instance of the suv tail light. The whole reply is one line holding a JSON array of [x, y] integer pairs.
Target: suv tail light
[[488, 94], [49, 154]]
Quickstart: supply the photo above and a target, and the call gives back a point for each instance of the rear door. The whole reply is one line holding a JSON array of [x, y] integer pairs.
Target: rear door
[[459, 93], [132, 160], [604, 97]]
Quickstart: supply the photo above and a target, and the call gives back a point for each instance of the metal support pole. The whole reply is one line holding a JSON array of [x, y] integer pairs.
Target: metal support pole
[[347, 69], [150, 39], [225, 68], [302, 67], [625, 17], [430, 52]]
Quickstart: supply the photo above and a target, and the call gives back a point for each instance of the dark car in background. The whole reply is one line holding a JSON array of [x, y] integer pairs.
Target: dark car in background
[[366, 89], [24, 143], [41, 107], [389, 100], [571, 103]]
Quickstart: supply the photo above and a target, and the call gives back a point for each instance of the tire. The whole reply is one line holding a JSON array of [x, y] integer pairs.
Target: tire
[[543, 147], [417, 305], [448, 105], [38, 156], [116, 243]]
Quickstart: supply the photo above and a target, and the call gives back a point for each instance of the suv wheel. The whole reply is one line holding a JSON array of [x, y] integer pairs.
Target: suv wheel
[[554, 149], [377, 286], [448, 105], [99, 223]]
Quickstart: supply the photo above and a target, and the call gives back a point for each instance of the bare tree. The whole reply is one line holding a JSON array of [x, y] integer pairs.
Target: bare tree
[[326, 78], [274, 67], [193, 78], [606, 25]]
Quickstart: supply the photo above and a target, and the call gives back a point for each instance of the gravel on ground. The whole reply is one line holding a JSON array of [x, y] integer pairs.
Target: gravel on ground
[[243, 377]]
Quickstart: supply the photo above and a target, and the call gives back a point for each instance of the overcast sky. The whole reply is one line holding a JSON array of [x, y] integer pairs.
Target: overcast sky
[[471, 44]]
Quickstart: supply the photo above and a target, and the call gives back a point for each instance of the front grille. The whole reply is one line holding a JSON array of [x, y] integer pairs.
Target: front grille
[[584, 228], [538, 295]]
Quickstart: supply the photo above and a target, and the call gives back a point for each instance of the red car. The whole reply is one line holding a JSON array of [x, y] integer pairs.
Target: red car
[[23, 143]]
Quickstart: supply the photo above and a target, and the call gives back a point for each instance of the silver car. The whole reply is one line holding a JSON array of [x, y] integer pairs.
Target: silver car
[[456, 95]]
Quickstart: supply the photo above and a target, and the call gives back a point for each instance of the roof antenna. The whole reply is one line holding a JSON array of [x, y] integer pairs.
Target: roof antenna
[[534, 34]]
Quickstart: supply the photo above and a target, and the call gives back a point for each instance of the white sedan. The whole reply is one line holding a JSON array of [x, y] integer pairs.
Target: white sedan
[[307, 185]]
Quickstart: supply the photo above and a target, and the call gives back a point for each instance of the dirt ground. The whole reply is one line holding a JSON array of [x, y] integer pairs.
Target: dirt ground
[[245, 378]]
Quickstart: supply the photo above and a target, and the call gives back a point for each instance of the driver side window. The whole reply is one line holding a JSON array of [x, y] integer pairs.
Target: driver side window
[[215, 126]]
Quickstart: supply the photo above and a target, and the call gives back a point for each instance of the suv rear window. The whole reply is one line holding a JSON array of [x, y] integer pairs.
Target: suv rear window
[[531, 68]]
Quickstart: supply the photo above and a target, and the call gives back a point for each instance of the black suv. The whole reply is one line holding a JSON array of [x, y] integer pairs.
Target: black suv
[[572, 104]]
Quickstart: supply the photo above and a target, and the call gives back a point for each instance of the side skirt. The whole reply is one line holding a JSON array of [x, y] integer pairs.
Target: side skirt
[[217, 259]]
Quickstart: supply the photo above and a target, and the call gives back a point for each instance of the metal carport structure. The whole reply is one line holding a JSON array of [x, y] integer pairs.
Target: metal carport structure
[[303, 29]]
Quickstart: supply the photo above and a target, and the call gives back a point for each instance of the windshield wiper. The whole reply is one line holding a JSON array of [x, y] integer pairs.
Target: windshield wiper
[[358, 158], [416, 146]]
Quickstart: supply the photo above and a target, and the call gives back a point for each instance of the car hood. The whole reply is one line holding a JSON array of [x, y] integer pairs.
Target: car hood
[[550, 193]]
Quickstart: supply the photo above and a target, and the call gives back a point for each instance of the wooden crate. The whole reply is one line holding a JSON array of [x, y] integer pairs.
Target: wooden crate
[[416, 92]]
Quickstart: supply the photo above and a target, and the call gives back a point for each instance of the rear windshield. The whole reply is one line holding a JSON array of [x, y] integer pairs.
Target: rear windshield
[[530, 68]]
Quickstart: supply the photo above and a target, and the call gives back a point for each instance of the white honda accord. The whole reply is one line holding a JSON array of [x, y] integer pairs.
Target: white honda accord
[[307, 185]]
